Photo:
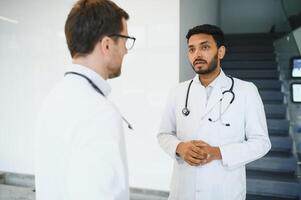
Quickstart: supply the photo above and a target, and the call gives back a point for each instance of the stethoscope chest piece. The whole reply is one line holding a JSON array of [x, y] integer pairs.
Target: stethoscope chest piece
[[185, 111]]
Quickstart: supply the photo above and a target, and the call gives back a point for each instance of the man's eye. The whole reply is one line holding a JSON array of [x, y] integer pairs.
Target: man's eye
[[205, 47], [191, 50]]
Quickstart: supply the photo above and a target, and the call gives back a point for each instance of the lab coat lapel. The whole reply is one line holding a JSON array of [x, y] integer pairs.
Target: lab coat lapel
[[217, 92], [214, 98]]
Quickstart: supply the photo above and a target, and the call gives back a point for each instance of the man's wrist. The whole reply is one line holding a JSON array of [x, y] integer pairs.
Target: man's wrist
[[217, 153], [178, 149]]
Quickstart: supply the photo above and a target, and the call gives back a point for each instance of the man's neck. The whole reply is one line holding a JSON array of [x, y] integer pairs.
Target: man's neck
[[91, 64], [206, 79]]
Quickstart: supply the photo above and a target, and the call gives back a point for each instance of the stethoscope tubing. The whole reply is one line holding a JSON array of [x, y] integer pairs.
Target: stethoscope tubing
[[99, 91], [186, 111]]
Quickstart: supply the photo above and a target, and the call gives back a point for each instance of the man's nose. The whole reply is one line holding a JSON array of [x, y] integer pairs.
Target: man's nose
[[198, 54]]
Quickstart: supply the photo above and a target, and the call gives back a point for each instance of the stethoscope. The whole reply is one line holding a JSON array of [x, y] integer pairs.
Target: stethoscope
[[186, 111], [99, 91]]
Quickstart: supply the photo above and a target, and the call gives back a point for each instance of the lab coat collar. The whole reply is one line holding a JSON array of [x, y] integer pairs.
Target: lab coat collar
[[100, 82], [220, 80], [219, 84]]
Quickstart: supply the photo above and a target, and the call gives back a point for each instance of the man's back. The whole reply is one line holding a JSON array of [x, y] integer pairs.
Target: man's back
[[79, 145]]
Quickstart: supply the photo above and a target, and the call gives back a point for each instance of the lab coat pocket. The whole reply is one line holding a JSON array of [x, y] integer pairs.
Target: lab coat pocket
[[231, 126], [229, 135], [231, 129], [235, 177]]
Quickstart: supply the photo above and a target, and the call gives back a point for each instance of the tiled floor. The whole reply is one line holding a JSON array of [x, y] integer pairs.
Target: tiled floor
[[8, 192], [21, 187]]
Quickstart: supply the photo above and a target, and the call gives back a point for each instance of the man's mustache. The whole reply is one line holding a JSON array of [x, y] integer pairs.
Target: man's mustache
[[199, 61]]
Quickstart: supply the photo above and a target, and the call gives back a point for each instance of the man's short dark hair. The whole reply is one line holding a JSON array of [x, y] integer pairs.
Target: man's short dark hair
[[209, 29], [89, 21]]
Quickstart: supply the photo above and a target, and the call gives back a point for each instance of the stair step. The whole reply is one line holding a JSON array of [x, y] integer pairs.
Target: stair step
[[275, 162], [250, 56], [275, 111], [281, 143], [281, 125], [253, 74], [249, 64], [278, 133], [271, 96], [264, 36], [267, 84], [248, 41], [265, 197], [273, 183], [250, 49]]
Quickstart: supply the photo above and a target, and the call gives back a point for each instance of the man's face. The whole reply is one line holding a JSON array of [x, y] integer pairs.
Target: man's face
[[118, 52], [203, 53]]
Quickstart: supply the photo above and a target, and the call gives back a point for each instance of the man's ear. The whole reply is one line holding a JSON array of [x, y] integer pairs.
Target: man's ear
[[221, 52], [104, 45]]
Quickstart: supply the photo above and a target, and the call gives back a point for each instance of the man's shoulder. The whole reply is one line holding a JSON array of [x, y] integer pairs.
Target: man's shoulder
[[183, 85], [179, 88], [244, 88], [78, 95], [243, 83]]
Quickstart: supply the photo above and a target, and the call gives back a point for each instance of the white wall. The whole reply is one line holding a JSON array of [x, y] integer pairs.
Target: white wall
[[249, 16], [150, 70], [193, 13], [33, 57], [33, 53]]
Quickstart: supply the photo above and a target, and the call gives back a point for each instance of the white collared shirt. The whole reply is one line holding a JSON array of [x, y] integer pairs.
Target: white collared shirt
[[79, 142], [211, 85]]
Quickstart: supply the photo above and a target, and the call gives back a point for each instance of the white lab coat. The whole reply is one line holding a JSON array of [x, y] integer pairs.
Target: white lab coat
[[79, 143], [245, 140]]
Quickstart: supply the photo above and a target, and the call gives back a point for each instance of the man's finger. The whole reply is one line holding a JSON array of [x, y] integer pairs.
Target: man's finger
[[194, 160], [196, 155], [199, 151], [200, 143], [192, 164]]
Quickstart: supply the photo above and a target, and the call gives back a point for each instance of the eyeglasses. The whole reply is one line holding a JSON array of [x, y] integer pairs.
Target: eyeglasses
[[130, 41]]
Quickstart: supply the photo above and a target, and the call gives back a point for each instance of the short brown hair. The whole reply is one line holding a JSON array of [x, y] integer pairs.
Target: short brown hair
[[89, 21]]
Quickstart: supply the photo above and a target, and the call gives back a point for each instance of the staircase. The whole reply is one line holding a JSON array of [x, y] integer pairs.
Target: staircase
[[251, 57]]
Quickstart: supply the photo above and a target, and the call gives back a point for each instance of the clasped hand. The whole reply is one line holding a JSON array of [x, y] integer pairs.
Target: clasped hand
[[197, 152]]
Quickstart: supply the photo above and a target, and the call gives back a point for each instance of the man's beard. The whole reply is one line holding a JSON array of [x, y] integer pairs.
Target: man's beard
[[114, 70], [115, 74], [211, 66]]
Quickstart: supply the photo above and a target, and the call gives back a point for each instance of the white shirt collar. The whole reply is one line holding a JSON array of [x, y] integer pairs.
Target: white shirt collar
[[217, 81], [99, 81]]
